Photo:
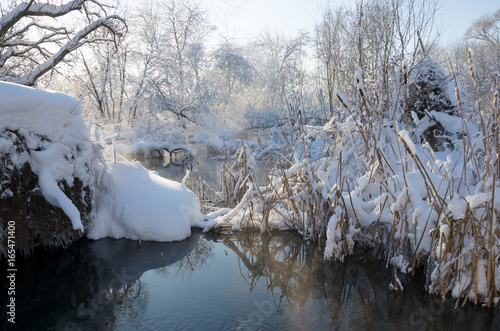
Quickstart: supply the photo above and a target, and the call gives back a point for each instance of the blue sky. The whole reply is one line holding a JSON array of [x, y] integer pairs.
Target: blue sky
[[458, 15], [249, 17]]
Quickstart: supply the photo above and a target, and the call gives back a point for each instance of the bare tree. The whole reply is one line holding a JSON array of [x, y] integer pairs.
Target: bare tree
[[105, 80], [329, 50], [232, 69], [159, 72], [282, 60], [483, 38], [175, 32], [375, 35], [33, 42], [486, 29]]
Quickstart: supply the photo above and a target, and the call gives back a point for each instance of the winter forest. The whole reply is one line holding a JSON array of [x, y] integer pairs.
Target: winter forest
[[365, 133]]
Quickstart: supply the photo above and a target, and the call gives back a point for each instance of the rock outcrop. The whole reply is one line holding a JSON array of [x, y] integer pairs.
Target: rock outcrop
[[50, 171]]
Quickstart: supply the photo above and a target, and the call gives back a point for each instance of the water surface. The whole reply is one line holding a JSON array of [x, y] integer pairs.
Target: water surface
[[245, 281]]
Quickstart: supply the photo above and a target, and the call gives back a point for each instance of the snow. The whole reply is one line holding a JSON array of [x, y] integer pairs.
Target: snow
[[452, 123], [478, 199], [5, 145], [131, 202], [6, 194], [145, 206], [405, 136], [334, 234], [50, 165], [368, 194], [342, 98], [457, 207], [39, 111], [396, 287], [404, 65], [382, 196], [359, 79], [57, 117]]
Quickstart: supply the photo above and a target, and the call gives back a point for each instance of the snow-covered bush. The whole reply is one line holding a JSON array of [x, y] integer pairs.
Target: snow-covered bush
[[431, 104]]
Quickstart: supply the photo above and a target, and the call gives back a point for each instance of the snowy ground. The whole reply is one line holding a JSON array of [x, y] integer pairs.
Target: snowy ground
[[145, 206]]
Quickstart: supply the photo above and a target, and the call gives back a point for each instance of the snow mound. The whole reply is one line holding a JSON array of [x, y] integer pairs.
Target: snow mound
[[57, 137], [40, 111], [145, 206], [119, 200]]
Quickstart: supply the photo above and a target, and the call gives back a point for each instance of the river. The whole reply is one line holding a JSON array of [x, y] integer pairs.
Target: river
[[243, 281], [240, 281]]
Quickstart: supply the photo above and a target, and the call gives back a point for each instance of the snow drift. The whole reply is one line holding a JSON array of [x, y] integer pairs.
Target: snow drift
[[145, 206]]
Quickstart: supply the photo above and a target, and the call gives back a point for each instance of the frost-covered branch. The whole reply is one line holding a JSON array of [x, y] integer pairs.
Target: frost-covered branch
[[77, 41], [486, 29], [28, 36], [32, 8]]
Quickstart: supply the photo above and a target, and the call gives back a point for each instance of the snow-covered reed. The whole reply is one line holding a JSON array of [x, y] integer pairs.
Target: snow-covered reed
[[380, 184]]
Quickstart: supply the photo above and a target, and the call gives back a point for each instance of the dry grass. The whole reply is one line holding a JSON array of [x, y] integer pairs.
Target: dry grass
[[363, 195]]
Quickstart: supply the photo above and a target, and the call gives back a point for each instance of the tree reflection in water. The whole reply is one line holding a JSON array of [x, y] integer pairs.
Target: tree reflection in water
[[199, 257], [310, 292], [287, 286]]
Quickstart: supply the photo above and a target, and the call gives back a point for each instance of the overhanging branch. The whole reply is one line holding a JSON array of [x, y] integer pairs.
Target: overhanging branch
[[77, 41], [30, 8]]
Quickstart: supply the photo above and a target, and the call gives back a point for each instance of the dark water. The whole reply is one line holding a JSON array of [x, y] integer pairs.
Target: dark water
[[246, 281]]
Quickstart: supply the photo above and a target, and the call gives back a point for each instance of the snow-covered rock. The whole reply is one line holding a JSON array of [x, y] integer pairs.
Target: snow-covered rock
[[145, 206], [55, 184], [49, 166]]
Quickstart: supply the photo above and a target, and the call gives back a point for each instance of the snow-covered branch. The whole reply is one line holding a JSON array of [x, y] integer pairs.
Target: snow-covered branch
[[24, 59], [77, 41], [32, 8]]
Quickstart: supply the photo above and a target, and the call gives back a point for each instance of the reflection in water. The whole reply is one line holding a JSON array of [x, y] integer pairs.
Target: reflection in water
[[203, 165], [120, 264], [199, 257], [311, 293], [245, 281], [79, 288], [207, 166]]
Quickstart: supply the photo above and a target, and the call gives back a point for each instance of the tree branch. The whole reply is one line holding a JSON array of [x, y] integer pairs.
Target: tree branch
[[31, 8], [77, 41]]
